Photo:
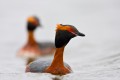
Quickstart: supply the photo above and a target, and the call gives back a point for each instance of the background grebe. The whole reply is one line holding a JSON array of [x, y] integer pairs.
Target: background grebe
[[32, 48]]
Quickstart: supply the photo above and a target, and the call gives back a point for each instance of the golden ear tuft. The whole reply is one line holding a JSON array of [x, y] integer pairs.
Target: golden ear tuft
[[61, 27], [31, 19], [58, 27]]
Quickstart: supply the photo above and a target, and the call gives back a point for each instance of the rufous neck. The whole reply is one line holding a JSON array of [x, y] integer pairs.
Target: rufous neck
[[31, 39], [58, 57]]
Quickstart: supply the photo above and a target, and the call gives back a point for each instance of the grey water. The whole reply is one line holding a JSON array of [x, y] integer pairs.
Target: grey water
[[94, 57]]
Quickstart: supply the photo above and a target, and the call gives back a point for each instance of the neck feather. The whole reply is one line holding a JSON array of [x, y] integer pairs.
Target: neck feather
[[58, 58], [31, 39]]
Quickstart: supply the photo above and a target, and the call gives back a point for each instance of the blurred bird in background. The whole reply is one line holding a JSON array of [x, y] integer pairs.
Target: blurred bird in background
[[33, 49]]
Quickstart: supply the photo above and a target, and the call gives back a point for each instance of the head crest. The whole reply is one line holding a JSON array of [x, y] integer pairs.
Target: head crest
[[64, 27], [34, 20], [31, 19]]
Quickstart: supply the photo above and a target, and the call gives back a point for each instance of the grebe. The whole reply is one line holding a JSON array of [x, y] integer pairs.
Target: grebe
[[64, 33], [33, 49]]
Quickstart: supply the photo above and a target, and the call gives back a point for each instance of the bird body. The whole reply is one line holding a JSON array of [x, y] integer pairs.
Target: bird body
[[39, 66], [64, 33]]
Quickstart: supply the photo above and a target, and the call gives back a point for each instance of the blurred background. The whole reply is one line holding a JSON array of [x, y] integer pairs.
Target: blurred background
[[95, 55]]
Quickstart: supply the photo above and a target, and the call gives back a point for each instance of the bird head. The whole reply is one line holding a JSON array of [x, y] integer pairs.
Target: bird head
[[64, 33], [32, 23]]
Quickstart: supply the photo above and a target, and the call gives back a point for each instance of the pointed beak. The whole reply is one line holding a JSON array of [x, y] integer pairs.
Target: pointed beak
[[80, 34]]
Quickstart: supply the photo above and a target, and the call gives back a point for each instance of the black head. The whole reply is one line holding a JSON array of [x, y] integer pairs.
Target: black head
[[32, 23], [64, 34]]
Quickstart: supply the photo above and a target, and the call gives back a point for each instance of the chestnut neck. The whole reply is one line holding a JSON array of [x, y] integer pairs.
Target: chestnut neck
[[31, 39], [58, 57]]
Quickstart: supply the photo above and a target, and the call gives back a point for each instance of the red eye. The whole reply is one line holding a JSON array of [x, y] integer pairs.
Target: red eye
[[72, 31]]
